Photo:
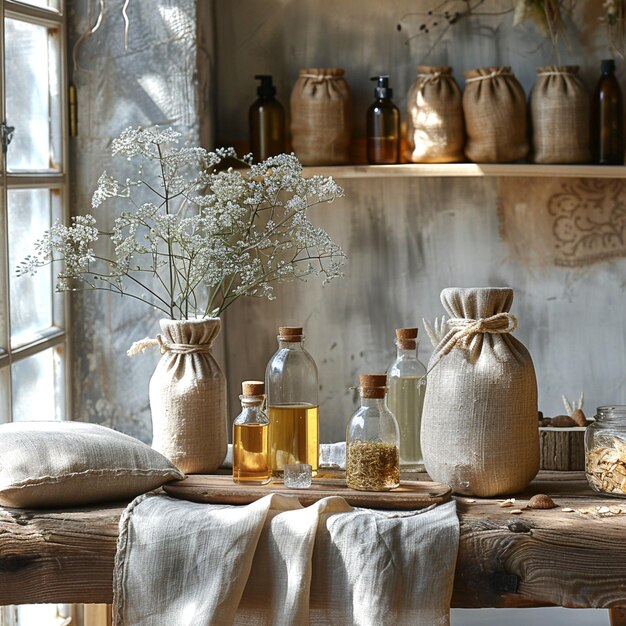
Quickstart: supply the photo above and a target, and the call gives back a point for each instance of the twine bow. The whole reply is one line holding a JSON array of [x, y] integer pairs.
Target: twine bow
[[493, 74], [462, 330], [165, 346]]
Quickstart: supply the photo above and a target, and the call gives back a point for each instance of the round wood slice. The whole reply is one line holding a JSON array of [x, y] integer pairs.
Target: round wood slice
[[216, 489]]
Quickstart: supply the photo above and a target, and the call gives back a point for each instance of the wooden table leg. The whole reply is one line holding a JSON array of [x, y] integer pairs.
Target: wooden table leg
[[617, 616]]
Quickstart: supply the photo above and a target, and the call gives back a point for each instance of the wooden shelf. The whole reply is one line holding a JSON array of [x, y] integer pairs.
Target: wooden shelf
[[462, 170]]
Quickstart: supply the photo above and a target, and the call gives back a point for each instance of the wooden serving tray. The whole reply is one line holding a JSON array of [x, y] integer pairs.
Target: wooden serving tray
[[220, 489]]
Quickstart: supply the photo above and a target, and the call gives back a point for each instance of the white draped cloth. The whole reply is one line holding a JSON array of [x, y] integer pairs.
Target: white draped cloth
[[275, 562]]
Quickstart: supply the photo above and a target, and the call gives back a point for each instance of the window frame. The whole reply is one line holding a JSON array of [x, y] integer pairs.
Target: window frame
[[57, 335]]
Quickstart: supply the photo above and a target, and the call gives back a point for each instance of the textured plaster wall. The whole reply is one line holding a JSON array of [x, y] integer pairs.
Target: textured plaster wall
[[151, 82]]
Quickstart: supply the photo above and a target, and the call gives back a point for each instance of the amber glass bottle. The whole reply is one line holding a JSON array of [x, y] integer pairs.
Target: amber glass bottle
[[607, 118], [267, 122], [251, 461], [383, 126]]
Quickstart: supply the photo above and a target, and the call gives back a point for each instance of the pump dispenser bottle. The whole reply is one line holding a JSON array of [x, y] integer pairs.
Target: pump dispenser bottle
[[383, 125], [267, 122]]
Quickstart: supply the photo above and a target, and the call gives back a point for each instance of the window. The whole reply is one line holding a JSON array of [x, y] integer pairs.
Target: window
[[33, 195]]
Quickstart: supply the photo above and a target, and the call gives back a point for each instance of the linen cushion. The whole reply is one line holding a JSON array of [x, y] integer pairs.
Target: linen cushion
[[52, 464]]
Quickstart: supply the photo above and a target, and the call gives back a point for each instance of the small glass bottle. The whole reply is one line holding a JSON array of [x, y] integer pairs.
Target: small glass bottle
[[251, 437], [605, 451], [373, 440], [383, 126], [407, 386], [292, 397], [267, 122], [607, 118]]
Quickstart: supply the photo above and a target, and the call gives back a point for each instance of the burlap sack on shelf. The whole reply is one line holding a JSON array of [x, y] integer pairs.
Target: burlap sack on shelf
[[321, 117], [435, 127], [494, 106], [559, 110], [188, 397], [479, 425]]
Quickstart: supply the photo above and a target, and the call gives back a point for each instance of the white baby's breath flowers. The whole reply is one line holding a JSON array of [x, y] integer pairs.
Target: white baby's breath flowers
[[195, 235]]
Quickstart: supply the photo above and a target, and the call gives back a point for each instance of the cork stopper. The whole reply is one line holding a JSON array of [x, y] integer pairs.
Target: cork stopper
[[373, 385], [290, 332], [406, 338], [252, 388]]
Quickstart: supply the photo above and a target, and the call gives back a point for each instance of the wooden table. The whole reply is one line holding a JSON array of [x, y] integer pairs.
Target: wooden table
[[554, 557]]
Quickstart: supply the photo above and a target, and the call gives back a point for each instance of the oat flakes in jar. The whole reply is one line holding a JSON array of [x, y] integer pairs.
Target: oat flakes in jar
[[605, 451]]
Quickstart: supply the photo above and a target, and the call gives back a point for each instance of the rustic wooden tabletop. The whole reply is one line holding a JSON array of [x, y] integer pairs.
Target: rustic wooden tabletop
[[573, 555]]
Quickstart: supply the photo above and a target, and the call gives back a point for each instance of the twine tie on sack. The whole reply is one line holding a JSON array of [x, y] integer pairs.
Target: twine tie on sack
[[165, 346], [320, 78], [555, 73], [463, 330], [431, 77], [493, 74]]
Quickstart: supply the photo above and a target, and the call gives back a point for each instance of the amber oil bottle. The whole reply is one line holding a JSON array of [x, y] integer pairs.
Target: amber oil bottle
[[292, 396], [607, 118], [267, 122], [251, 459], [383, 126]]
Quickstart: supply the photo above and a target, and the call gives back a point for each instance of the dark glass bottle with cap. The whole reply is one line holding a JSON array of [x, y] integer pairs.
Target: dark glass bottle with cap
[[267, 122], [607, 118], [383, 125]]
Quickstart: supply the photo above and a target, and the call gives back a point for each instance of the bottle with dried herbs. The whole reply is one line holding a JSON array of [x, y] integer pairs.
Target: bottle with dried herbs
[[605, 451], [373, 440], [407, 386], [292, 391], [251, 461]]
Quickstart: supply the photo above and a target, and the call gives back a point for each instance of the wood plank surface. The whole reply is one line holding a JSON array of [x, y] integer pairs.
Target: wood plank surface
[[222, 490], [538, 558]]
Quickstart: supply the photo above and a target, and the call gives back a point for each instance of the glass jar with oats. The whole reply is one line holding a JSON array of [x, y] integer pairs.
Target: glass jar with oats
[[373, 440], [605, 451]]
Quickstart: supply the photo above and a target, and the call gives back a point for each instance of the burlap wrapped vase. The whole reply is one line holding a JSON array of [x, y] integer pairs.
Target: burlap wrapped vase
[[559, 111], [494, 106], [435, 127], [321, 117], [479, 425], [188, 397]]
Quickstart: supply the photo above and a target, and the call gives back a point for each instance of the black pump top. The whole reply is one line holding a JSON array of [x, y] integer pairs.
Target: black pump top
[[382, 89], [266, 89], [607, 66]]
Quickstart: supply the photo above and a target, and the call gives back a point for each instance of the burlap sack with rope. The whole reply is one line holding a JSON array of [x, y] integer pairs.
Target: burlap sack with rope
[[479, 425], [559, 111], [188, 396], [321, 117], [494, 106], [435, 127]]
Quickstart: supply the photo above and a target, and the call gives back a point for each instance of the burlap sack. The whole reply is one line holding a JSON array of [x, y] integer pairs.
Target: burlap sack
[[435, 127], [479, 425], [321, 117], [494, 106], [559, 111], [188, 397]]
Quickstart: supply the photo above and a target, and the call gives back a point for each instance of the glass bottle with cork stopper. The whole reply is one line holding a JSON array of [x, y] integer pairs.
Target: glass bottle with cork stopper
[[292, 396], [251, 459], [373, 440], [407, 386]]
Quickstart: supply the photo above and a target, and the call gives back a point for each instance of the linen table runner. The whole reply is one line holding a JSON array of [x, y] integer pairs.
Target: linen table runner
[[275, 562]]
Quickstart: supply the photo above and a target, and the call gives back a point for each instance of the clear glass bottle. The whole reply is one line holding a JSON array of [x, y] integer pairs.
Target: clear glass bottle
[[251, 459], [407, 385], [267, 122], [373, 440], [605, 451], [383, 125], [607, 118], [292, 396]]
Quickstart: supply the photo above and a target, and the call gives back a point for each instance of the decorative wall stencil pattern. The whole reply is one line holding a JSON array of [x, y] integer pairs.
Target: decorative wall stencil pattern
[[589, 221]]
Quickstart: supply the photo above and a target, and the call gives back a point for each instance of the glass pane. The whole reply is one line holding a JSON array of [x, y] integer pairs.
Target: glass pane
[[30, 214], [4, 305], [38, 387], [42, 614], [44, 4], [32, 95], [5, 398]]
